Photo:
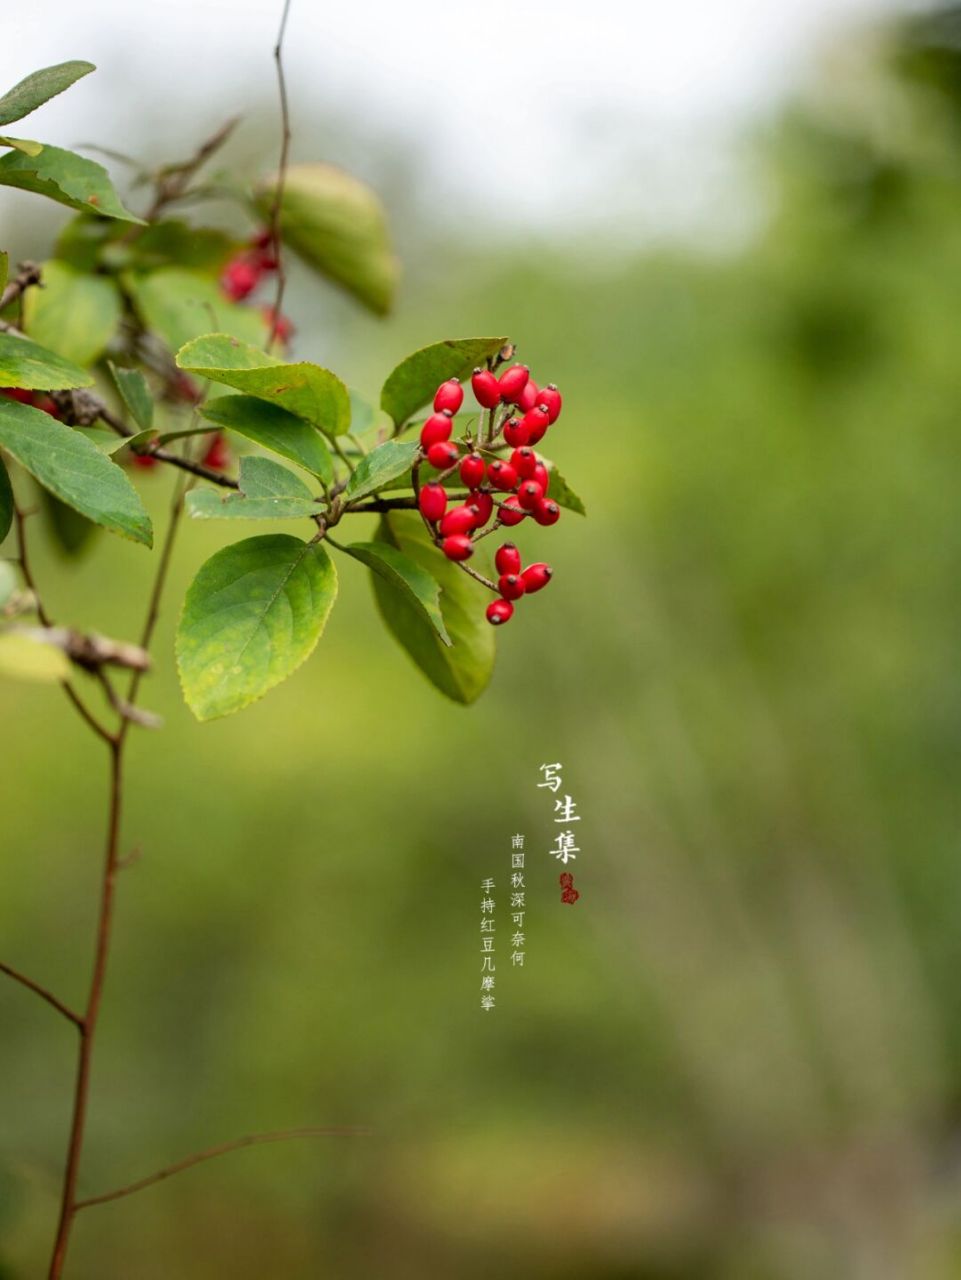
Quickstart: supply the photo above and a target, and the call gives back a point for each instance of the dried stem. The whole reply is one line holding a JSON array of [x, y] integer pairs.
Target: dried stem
[[275, 212]]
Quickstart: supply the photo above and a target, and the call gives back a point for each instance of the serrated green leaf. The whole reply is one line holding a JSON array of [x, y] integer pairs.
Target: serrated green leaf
[[463, 671], [67, 178], [22, 144], [179, 305], [39, 87], [74, 314], [404, 575], [337, 225], [135, 394], [264, 478], [6, 502], [26, 364], [415, 380], [8, 581], [206, 504], [561, 492], [73, 469], [252, 615], [275, 429], [26, 657], [312, 393], [377, 469]]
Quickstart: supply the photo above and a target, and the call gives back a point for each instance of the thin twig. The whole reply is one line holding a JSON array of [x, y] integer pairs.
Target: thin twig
[[29, 274], [275, 211], [173, 180], [42, 992]]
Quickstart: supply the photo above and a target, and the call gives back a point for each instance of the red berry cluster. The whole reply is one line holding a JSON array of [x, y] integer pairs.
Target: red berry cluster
[[36, 399], [500, 491], [247, 269]]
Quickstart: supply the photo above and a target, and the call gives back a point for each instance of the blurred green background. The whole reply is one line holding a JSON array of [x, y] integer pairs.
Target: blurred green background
[[739, 1055]]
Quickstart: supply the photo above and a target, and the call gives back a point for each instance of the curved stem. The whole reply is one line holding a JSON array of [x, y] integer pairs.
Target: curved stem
[[42, 992]]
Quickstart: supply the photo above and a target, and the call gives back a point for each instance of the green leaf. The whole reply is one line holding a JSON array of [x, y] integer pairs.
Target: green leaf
[[135, 394], [312, 393], [337, 225], [252, 615], [73, 469], [416, 379], [175, 243], [65, 177], [39, 87], [4, 270], [106, 441], [6, 502], [405, 576], [22, 144], [82, 240], [8, 581], [27, 657], [74, 314], [264, 478], [71, 531], [561, 492], [463, 671], [26, 364], [268, 491], [273, 428], [179, 305], [377, 469]]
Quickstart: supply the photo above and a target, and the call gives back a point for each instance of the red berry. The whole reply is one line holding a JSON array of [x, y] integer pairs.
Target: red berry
[[217, 457], [511, 512], [529, 495], [536, 420], [436, 429], [499, 611], [536, 577], [528, 396], [502, 475], [18, 393], [450, 395], [487, 390], [458, 520], [432, 502], [483, 504], [515, 433], [182, 387], [473, 470], [442, 454], [547, 513], [264, 250], [240, 277], [47, 404], [280, 326], [550, 397], [507, 559], [513, 381], [524, 462], [145, 460], [542, 476], [457, 547], [511, 586]]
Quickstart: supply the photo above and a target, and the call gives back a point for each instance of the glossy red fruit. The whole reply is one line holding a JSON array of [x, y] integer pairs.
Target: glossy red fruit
[[511, 586], [529, 495], [432, 502], [512, 382], [217, 457], [536, 577], [536, 420], [450, 395], [483, 504], [547, 512], [499, 612], [542, 476], [472, 470], [47, 404], [144, 460], [510, 512], [515, 433], [18, 393], [528, 397], [507, 559], [442, 455], [502, 475], [487, 390], [524, 462], [458, 520], [240, 277], [457, 547], [551, 398], [437, 428]]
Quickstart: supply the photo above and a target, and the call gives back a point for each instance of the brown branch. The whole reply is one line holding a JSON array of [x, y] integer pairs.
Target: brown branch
[[42, 992], [29, 274], [224, 1148], [172, 180], [275, 211]]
